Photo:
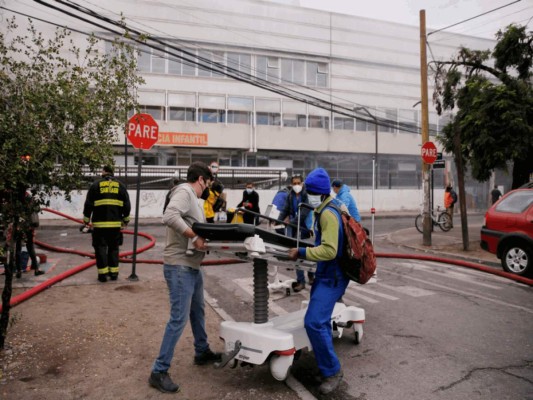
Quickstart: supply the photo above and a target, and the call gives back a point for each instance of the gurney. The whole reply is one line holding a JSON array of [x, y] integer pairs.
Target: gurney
[[275, 340]]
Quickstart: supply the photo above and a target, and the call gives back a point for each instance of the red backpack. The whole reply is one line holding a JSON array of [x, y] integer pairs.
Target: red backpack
[[358, 260]]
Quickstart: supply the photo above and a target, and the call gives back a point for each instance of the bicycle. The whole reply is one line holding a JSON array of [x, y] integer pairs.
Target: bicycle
[[440, 218]]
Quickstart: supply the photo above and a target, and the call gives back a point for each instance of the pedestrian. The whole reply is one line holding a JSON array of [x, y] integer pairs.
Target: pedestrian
[[495, 194], [330, 282], [184, 276], [289, 213], [25, 233], [107, 207], [250, 201], [450, 198], [343, 194], [279, 201], [214, 202]]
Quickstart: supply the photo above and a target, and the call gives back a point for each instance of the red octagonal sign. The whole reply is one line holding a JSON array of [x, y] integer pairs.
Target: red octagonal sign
[[429, 152], [143, 131]]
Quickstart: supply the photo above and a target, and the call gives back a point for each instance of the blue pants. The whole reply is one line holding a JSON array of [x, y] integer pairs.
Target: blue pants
[[324, 294], [186, 291]]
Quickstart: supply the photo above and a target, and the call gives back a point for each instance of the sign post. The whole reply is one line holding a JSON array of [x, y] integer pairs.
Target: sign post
[[143, 133]]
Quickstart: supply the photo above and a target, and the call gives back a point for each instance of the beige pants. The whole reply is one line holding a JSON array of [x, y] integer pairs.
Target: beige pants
[[449, 210]]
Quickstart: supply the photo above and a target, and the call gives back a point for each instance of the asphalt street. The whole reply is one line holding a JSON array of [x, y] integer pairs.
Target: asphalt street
[[432, 330]]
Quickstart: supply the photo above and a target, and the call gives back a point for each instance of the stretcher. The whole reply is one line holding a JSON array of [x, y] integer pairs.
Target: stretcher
[[277, 340]]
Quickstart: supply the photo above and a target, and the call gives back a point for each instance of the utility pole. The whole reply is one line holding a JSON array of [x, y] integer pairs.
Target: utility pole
[[425, 128]]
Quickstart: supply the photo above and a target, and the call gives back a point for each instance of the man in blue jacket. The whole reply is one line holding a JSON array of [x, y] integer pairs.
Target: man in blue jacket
[[330, 282], [345, 197]]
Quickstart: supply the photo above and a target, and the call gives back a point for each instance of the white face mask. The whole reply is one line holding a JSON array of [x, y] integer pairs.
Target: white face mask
[[314, 200], [249, 191], [297, 188]]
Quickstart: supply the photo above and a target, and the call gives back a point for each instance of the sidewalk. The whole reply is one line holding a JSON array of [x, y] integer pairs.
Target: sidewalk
[[447, 244]]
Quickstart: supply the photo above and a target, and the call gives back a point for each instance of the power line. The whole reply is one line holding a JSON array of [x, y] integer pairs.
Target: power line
[[470, 19]]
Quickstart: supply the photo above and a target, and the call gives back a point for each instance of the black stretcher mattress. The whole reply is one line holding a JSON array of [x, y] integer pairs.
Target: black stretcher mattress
[[239, 232]]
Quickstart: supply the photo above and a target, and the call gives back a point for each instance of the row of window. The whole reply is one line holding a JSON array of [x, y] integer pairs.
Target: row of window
[[215, 63], [291, 120]]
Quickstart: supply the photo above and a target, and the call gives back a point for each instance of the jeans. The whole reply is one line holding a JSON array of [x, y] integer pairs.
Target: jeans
[[186, 291], [317, 322]]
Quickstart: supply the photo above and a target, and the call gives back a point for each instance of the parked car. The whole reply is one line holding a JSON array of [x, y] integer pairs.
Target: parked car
[[508, 231]]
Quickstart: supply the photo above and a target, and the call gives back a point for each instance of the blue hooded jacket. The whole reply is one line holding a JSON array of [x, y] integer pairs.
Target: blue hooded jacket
[[347, 199]]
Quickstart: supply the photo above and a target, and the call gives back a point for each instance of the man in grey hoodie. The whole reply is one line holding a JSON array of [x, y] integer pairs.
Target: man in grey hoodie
[[183, 275]]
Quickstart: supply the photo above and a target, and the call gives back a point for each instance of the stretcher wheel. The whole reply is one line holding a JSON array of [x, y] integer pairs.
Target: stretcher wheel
[[287, 292], [358, 329], [280, 365]]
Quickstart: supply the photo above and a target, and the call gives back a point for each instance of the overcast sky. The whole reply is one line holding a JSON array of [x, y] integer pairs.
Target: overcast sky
[[439, 13]]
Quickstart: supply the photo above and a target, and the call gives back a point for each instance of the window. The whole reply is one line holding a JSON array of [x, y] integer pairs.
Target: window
[[343, 123], [293, 71], [182, 114], [318, 122], [211, 60], [239, 117], [158, 112], [361, 126], [266, 118], [151, 60], [294, 121], [212, 116], [391, 118], [408, 121], [240, 62], [317, 74], [268, 68]]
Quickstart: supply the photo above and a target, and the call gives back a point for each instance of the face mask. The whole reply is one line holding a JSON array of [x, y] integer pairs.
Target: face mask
[[297, 188], [315, 200], [214, 168], [249, 191]]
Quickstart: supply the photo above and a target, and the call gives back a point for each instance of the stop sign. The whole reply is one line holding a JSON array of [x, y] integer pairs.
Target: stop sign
[[429, 152], [143, 131]]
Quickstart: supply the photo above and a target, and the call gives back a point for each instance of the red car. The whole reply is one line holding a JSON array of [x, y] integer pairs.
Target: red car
[[508, 231]]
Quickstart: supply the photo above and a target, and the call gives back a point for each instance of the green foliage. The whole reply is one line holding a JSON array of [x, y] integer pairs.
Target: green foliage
[[494, 116], [62, 106]]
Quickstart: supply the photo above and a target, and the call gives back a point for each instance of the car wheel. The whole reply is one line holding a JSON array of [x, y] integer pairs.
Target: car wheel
[[517, 259]]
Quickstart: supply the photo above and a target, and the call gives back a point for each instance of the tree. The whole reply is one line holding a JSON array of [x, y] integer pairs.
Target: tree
[[60, 109], [494, 117]]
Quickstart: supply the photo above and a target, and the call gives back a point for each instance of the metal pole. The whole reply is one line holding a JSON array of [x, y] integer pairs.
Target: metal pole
[[373, 186], [425, 127], [376, 152], [133, 276]]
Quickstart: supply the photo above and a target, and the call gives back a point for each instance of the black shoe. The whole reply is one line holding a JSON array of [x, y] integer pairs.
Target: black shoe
[[331, 383], [38, 272], [19, 274], [207, 356], [113, 277], [162, 382], [298, 286], [102, 278]]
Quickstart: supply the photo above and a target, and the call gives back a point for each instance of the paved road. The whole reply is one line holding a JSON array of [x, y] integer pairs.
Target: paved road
[[432, 331]]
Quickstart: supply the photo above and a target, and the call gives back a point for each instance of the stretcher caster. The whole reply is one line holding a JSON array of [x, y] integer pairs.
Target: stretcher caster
[[280, 365], [358, 330]]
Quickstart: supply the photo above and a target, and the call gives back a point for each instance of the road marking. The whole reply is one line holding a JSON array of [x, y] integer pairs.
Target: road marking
[[374, 293], [503, 303], [408, 290], [456, 275], [350, 294]]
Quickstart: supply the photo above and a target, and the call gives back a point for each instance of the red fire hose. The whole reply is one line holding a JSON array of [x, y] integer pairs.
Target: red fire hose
[[48, 283]]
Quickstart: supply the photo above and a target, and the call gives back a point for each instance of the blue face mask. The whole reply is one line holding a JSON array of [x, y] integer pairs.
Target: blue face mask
[[314, 200]]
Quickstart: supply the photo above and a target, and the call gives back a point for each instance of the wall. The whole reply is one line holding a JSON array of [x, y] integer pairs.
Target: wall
[[151, 204]]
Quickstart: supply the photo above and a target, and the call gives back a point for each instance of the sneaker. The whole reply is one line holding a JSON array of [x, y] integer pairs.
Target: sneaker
[[162, 382], [102, 278], [311, 280], [38, 272], [207, 356], [298, 286], [19, 274], [331, 383]]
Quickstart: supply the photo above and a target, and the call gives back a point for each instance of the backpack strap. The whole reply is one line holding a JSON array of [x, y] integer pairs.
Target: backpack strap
[[332, 204]]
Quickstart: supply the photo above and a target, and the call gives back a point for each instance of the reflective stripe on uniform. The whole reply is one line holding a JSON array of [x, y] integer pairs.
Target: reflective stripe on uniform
[[103, 271], [107, 224], [113, 270], [109, 202]]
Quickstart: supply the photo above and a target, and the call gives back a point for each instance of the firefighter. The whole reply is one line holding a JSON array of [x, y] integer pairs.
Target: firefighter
[[108, 207]]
